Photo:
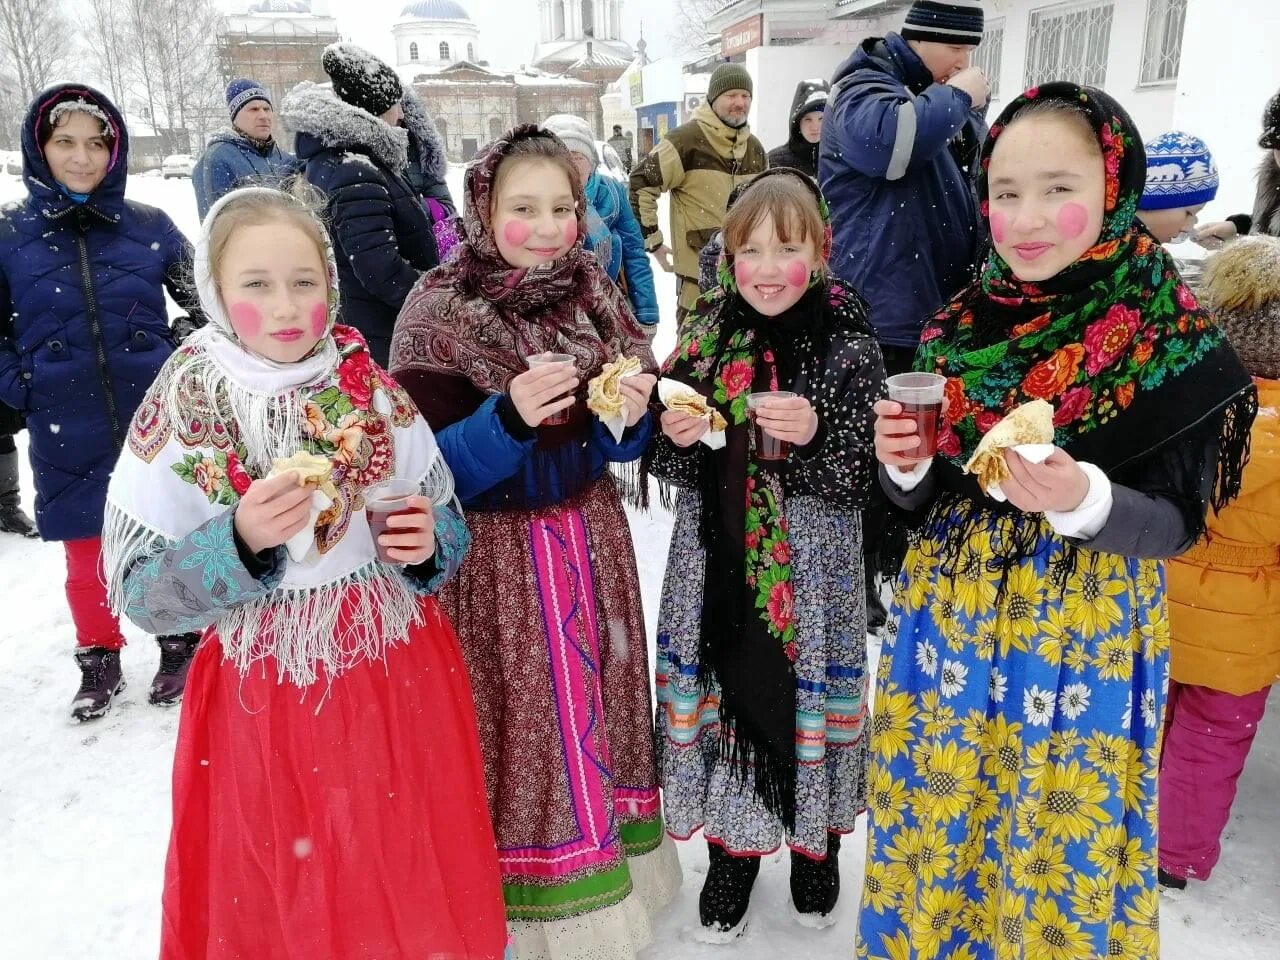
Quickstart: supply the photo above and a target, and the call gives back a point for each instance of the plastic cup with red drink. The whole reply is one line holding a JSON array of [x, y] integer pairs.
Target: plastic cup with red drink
[[390, 499], [767, 447], [546, 359], [920, 396]]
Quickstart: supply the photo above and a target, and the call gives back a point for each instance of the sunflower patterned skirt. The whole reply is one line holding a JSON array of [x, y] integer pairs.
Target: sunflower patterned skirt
[[1015, 748]]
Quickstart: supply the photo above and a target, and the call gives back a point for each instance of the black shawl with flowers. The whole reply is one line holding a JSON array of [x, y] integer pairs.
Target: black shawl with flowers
[[823, 349], [1116, 341]]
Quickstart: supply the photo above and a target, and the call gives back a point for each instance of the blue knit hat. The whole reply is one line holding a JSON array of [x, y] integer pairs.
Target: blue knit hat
[[241, 91], [1180, 173]]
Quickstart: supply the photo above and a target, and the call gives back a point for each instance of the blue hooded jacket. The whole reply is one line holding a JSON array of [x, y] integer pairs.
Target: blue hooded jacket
[[83, 323], [232, 160], [897, 164], [612, 203]]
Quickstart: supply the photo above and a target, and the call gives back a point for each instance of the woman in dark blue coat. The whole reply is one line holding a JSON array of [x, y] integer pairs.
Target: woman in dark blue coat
[[83, 332], [351, 147]]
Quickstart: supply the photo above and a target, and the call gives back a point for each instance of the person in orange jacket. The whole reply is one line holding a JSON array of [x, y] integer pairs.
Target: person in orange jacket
[[1224, 594]]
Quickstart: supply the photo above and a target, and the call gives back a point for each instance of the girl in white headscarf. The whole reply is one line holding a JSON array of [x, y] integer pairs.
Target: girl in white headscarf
[[328, 798]]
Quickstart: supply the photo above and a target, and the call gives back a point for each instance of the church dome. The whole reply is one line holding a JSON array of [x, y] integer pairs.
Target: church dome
[[435, 10]]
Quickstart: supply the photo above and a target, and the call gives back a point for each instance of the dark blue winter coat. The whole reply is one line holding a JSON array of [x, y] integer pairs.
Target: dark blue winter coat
[[382, 235], [233, 160], [896, 165], [83, 328], [626, 255]]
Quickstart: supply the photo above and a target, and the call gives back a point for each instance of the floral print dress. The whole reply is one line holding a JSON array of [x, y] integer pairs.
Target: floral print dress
[[806, 562], [1015, 750]]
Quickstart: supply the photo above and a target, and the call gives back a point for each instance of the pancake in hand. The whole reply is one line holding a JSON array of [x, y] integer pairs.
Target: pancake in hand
[[695, 405], [1030, 423], [309, 470], [604, 392]]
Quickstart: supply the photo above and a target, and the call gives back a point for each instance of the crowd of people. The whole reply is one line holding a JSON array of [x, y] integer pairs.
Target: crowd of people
[[427, 729]]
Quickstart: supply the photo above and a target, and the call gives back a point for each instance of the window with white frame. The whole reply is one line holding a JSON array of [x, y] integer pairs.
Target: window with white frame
[[1069, 41], [1162, 47], [987, 56]]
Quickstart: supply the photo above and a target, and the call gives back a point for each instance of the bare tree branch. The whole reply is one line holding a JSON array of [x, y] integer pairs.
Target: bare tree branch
[[689, 29], [105, 31], [36, 40]]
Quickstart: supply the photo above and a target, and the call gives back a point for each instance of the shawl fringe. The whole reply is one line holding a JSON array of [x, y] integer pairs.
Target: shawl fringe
[[330, 628]]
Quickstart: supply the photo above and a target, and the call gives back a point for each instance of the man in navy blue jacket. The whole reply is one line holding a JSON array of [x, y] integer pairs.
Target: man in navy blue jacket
[[243, 154], [899, 144]]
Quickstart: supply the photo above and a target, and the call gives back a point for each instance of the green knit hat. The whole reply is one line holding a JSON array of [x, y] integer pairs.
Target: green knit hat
[[728, 76]]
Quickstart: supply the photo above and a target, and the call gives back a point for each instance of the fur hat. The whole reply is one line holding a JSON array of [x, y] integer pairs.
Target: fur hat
[[1241, 284], [1180, 173], [728, 76], [241, 92], [361, 79], [955, 21], [576, 134], [1270, 139]]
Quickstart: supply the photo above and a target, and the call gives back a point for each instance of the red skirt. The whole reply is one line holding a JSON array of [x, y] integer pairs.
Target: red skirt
[[355, 831]]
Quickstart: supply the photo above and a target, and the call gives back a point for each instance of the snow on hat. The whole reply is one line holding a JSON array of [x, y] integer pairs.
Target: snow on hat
[[575, 132], [1180, 172], [728, 76], [242, 91], [361, 79], [955, 22], [1270, 139]]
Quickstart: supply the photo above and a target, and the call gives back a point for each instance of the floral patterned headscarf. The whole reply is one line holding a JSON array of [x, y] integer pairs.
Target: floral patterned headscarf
[[1116, 341], [748, 621]]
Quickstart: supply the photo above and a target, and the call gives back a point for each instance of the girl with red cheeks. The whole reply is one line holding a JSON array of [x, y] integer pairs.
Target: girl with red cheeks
[[548, 604], [761, 640], [1019, 699]]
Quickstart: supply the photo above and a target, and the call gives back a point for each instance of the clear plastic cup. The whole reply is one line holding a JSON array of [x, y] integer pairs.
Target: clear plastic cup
[[545, 359], [920, 395], [767, 447], [384, 501]]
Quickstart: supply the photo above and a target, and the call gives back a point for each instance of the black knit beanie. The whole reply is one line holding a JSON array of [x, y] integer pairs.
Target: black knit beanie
[[954, 21], [361, 79]]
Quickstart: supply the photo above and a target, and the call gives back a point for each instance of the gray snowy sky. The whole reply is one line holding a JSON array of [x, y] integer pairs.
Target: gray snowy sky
[[508, 28]]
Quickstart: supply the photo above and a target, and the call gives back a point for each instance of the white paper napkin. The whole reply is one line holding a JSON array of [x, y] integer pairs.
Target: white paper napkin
[[617, 425], [1033, 452]]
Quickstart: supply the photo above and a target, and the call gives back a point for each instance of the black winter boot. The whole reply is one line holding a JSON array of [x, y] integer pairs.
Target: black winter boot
[[12, 519], [1171, 880], [815, 884], [100, 681], [175, 659], [726, 894]]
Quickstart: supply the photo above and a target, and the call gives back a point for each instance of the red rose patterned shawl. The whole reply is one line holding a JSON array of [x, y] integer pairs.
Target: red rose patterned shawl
[[214, 419], [1116, 342]]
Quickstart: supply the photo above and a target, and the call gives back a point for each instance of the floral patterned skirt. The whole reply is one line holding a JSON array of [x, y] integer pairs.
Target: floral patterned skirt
[[1015, 748], [699, 790], [547, 609]]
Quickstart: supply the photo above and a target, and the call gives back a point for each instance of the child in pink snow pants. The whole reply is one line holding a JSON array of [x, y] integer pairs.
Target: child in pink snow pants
[[1224, 594]]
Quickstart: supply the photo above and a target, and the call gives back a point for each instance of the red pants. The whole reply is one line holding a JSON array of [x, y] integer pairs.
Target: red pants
[[1207, 736], [96, 625]]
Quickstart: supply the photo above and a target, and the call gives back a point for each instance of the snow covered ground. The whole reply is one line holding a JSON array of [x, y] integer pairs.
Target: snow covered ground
[[84, 810]]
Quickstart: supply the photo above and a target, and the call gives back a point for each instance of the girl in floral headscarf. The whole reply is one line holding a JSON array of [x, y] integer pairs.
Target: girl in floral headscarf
[[762, 639], [548, 603], [1018, 706], [328, 798]]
